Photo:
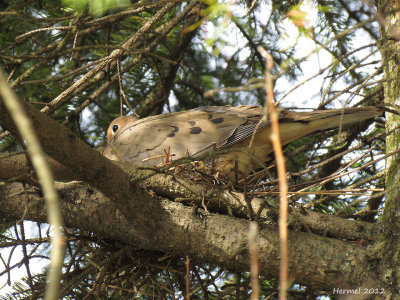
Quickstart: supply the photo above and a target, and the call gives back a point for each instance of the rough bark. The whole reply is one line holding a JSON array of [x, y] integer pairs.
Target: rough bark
[[390, 49], [212, 198], [320, 262]]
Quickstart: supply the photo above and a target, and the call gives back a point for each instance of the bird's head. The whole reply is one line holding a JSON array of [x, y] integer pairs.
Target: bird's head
[[119, 124]]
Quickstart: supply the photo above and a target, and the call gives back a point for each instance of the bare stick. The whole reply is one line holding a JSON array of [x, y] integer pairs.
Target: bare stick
[[25, 128], [254, 266], [283, 186]]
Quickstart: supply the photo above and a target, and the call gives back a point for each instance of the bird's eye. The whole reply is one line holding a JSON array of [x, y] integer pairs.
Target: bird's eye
[[115, 128]]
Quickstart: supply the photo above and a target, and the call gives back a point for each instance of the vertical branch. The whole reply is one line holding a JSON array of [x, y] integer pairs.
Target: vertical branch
[[25, 128], [121, 89], [187, 277], [187, 281], [283, 186], [254, 267]]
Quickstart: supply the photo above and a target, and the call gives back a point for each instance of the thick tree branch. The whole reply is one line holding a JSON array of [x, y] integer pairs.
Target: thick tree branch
[[16, 167], [218, 239]]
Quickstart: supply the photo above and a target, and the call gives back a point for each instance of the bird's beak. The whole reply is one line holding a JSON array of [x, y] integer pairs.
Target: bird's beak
[[109, 153]]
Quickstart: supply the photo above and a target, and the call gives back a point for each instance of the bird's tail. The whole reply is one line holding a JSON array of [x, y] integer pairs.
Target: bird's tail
[[294, 125]]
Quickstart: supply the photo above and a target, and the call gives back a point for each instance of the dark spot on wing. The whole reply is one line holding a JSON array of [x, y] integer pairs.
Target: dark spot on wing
[[210, 116], [195, 130], [217, 120], [176, 129], [192, 123], [171, 134]]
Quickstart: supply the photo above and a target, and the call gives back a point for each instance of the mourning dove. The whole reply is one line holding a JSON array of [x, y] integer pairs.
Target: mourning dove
[[147, 142]]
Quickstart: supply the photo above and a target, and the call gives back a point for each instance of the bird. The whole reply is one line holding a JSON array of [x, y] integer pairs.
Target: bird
[[226, 130]]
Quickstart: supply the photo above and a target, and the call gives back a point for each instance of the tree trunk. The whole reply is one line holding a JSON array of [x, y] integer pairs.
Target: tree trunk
[[390, 246]]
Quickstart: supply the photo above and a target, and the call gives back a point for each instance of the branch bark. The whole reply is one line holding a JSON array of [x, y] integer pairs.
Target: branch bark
[[16, 167], [214, 238]]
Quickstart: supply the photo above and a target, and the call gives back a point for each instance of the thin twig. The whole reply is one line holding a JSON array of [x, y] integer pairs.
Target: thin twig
[[254, 265], [114, 55], [121, 89], [283, 185], [46, 180]]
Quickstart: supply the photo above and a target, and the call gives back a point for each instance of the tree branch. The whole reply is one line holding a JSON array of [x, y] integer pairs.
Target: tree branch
[[15, 167], [205, 237]]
